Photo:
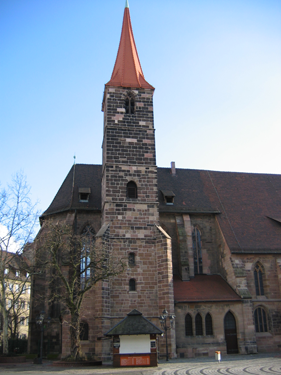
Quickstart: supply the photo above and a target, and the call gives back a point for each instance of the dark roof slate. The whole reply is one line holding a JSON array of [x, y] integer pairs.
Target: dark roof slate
[[134, 324], [204, 288], [84, 176], [247, 205]]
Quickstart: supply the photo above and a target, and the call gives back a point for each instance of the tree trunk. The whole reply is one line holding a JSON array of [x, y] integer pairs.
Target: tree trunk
[[76, 351], [5, 332]]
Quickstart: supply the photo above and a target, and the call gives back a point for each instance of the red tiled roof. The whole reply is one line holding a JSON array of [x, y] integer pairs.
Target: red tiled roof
[[127, 70], [207, 288]]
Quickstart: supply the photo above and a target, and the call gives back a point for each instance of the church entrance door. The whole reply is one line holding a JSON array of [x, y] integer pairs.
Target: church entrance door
[[230, 333]]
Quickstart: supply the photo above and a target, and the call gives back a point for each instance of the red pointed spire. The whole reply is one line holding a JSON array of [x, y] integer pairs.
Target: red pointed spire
[[127, 70]]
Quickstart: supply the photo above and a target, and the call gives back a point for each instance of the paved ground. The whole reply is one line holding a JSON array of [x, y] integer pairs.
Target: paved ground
[[255, 364]]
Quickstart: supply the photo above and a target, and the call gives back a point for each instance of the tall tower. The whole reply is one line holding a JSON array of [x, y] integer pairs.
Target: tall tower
[[130, 217]]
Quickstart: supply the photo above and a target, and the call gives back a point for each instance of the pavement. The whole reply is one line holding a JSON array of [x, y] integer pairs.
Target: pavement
[[253, 364]]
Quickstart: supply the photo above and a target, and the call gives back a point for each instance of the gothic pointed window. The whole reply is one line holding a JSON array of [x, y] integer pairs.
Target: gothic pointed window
[[258, 276], [188, 325], [197, 253], [132, 191], [130, 103], [260, 320], [88, 241], [208, 325], [198, 325]]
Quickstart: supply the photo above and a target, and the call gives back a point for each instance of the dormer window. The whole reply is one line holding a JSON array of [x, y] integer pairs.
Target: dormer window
[[168, 196], [130, 103], [84, 195]]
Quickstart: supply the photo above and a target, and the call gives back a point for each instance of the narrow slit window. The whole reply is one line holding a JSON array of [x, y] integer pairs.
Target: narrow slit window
[[131, 259], [132, 285]]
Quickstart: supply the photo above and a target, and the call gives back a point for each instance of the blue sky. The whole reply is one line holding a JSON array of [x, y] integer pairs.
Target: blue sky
[[215, 64]]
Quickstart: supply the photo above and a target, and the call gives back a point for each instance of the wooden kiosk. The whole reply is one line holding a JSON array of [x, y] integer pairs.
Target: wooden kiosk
[[134, 341]]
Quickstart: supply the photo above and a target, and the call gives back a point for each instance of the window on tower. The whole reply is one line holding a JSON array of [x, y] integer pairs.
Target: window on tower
[[130, 104], [131, 259], [132, 285], [132, 191]]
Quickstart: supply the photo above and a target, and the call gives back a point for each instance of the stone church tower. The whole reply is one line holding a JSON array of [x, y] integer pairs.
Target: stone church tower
[[130, 217]]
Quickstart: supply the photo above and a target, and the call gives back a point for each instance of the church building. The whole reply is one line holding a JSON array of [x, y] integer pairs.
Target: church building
[[204, 245]]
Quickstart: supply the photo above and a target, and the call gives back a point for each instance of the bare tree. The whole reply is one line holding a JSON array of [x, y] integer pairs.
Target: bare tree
[[72, 264], [18, 307], [18, 218]]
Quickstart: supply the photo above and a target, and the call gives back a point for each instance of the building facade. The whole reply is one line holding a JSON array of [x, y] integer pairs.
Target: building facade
[[204, 245]]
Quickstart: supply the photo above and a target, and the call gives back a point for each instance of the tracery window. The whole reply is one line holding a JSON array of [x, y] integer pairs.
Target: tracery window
[[132, 190], [198, 325], [132, 285], [260, 320], [197, 253], [188, 325], [130, 103], [84, 331], [85, 259], [258, 276]]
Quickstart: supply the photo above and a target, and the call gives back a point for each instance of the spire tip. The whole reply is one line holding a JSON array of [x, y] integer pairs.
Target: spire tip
[[127, 4]]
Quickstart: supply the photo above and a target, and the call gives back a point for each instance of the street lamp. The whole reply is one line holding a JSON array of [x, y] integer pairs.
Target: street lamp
[[163, 320], [40, 321]]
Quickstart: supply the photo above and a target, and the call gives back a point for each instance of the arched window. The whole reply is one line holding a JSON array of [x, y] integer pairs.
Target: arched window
[[132, 285], [84, 331], [130, 103], [258, 276], [132, 191], [208, 325], [260, 320], [131, 259], [88, 241], [197, 253], [198, 325], [188, 325]]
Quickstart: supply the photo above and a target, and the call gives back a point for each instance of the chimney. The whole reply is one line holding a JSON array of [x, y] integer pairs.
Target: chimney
[[173, 168]]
